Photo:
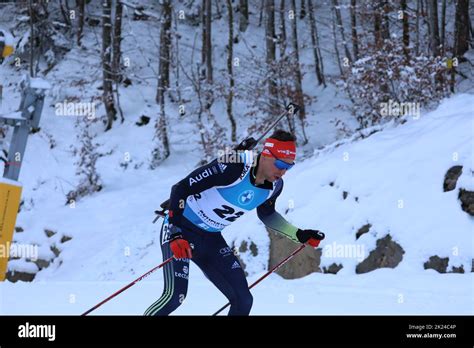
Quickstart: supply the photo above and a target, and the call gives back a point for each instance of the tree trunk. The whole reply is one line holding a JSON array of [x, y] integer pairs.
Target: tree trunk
[[318, 61], [406, 29], [65, 13], [207, 43], [117, 41], [461, 28], [270, 54], [302, 10], [176, 62], [298, 76], [165, 49], [443, 25], [385, 24], [204, 35], [377, 27], [417, 43], [107, 96], [32, 38], [260, 17], [243, 15], [282, 28], [230, 96], [81, 7], [336, 49], [424, 15], [161, 151], [433, 20], [355, 40], [337, 10], [218, 9], [164, 130], [381, 24]]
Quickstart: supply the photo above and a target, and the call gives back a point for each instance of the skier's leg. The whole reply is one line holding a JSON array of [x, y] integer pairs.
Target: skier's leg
[[223, 269], [175, 274]]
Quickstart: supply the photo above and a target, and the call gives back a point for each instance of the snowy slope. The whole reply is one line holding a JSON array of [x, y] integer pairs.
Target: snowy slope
[[114, 241], [397, 175]]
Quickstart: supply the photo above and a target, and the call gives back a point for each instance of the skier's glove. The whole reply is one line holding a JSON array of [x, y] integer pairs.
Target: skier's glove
[[310, 237], [179, 246]]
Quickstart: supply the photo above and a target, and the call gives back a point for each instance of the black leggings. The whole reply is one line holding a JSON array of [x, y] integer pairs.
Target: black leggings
[[218, 262]]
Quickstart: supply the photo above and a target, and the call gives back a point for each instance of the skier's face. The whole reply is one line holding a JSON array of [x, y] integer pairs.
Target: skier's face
[[271, 172]]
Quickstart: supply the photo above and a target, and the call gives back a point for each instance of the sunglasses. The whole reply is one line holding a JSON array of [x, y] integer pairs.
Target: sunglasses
[[282, 165]]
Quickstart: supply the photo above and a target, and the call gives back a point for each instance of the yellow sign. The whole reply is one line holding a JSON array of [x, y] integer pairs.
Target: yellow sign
[[6, 43], [7, 51], [10, 194]]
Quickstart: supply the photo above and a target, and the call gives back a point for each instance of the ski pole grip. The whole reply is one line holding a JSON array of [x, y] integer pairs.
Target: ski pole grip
[[247, 144], [292, 108]]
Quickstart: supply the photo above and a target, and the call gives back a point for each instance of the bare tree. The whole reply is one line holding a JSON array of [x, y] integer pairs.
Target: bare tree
[[385, 24], [116, 42], [86, 164], [218, 9], [443, 25], [282, 29], [211, 134], [260, 16], [381, 24], [337, 11], [204, 34], [417, 29], [65, 12], [302, 10], [161, 150], [165, 49], [461, 28], [336, 49], [81, 7], [318, 60], [271, 54], [298, 75], [206, 39], [434, 28], [230, 95], [355, 40], [377, 24], [175, 63], [243, 15], [32, 38], [406, 28], [107, 96]]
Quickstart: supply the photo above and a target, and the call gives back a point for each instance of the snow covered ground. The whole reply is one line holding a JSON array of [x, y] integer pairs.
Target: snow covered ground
[[113, 246], [382, 292]]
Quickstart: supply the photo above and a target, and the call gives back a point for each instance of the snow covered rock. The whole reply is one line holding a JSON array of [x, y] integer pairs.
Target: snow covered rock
[[333, 268], [364, 229], [306, 262], [437, 263], [451, 178], [388, 253], [467, 201], [440, 264], [20, 276]]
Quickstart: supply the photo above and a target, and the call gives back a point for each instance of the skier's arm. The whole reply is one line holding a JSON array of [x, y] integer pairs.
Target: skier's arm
[[201, 179], [272, 219]]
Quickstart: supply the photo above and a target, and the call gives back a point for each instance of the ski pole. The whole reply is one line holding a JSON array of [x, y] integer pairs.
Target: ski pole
[[128, 286], [281, 263], [247, 144], [290, 109]]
